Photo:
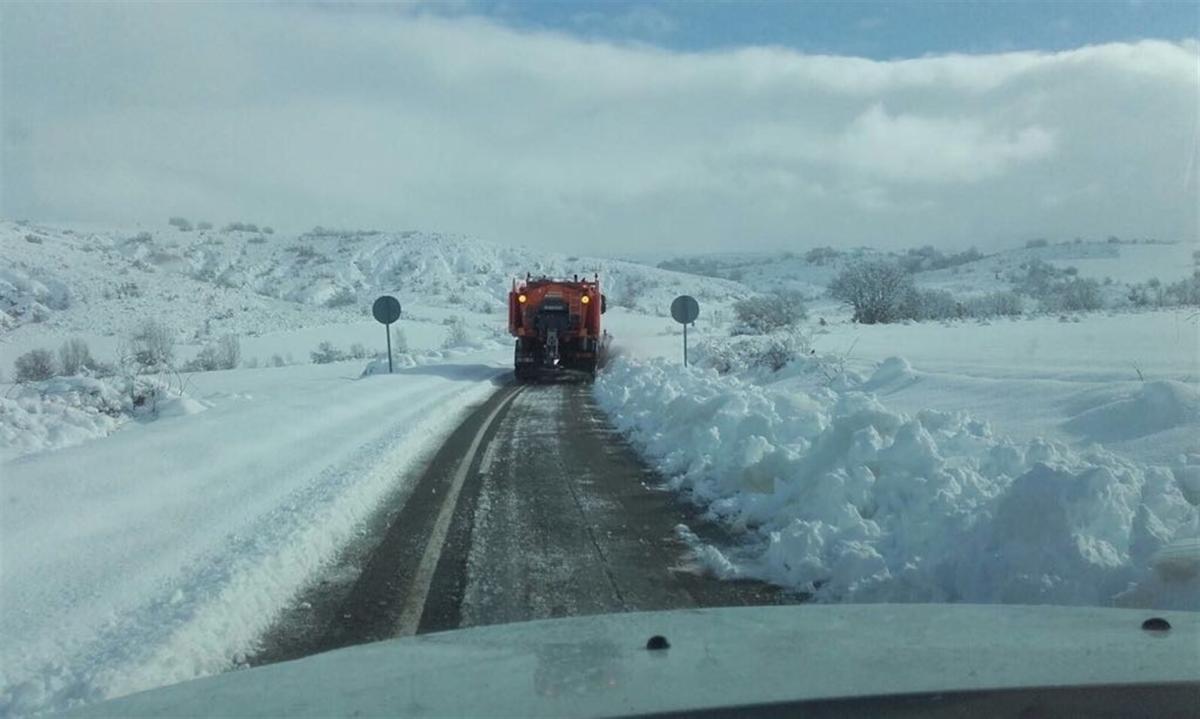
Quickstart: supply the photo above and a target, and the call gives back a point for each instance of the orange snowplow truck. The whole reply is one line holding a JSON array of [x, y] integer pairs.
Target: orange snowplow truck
[[557, 325]]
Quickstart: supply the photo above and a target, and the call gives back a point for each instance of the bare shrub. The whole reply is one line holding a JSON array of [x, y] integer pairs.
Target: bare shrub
[[35, 366], [771, 352], [74, 356], [781, 350], [458, 335], [1186, 291], [225, 353], [326, 352], [342, 298], [151, 347], [769, 313], [996, 304], [922, 304], [874, 289], [1075, 295]]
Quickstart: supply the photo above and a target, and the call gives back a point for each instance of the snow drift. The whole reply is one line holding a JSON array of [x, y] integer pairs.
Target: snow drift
[[1156, 406], [842, 498], [65, 411]]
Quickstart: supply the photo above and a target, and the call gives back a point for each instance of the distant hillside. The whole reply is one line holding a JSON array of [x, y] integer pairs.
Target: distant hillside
[[248, 281], [1116, 264]]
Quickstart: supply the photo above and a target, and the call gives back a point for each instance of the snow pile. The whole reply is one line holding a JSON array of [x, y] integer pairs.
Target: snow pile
[[843, 498], [64, 411], [1155, 407], [893, 372]]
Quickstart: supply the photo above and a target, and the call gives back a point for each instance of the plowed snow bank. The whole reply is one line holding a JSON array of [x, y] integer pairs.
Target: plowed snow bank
[[843, 498]]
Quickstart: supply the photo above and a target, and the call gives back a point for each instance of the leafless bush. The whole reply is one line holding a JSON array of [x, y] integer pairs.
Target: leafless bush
[[769, 313], [74, 355], [458, 335], [874, 289], [151, 348], [1075, 295], [996, 304], [35, 366], [225, 353], [326, 352], [772, 352], [342, 298]]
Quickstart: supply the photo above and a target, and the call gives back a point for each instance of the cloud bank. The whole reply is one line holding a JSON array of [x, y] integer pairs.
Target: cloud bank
[[297, 116]]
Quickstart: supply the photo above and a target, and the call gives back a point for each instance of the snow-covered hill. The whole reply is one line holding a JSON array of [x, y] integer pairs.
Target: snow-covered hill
[[1116, 264], [210, 282]]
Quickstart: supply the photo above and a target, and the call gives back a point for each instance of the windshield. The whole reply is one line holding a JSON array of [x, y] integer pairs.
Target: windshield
[[327, 323]]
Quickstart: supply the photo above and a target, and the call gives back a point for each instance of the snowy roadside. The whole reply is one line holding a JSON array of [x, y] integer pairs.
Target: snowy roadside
[[838, 495], [65, 411], [159, 553]]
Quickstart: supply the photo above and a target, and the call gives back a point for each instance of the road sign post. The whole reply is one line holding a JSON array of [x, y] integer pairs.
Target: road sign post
[[685, 309], [387, 310]]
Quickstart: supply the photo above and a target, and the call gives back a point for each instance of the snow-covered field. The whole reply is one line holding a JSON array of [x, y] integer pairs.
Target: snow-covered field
[[1044, 458]]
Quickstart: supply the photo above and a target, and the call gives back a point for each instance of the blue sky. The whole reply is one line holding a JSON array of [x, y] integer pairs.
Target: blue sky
[[868, 29]]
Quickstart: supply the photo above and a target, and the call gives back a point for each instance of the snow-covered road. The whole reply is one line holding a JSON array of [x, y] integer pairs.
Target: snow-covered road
[[158, 553]]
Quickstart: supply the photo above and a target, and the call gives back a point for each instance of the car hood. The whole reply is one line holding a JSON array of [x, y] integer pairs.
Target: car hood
[[600, 665]]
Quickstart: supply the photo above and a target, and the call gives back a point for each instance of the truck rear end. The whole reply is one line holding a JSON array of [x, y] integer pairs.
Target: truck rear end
[[556, 323]]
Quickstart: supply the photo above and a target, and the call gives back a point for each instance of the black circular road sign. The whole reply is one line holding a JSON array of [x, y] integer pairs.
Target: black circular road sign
[[685, 309], [386, 309]]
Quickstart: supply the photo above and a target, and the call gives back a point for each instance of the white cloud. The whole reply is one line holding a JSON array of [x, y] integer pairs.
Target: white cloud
[[904, 148], [295, 117]]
